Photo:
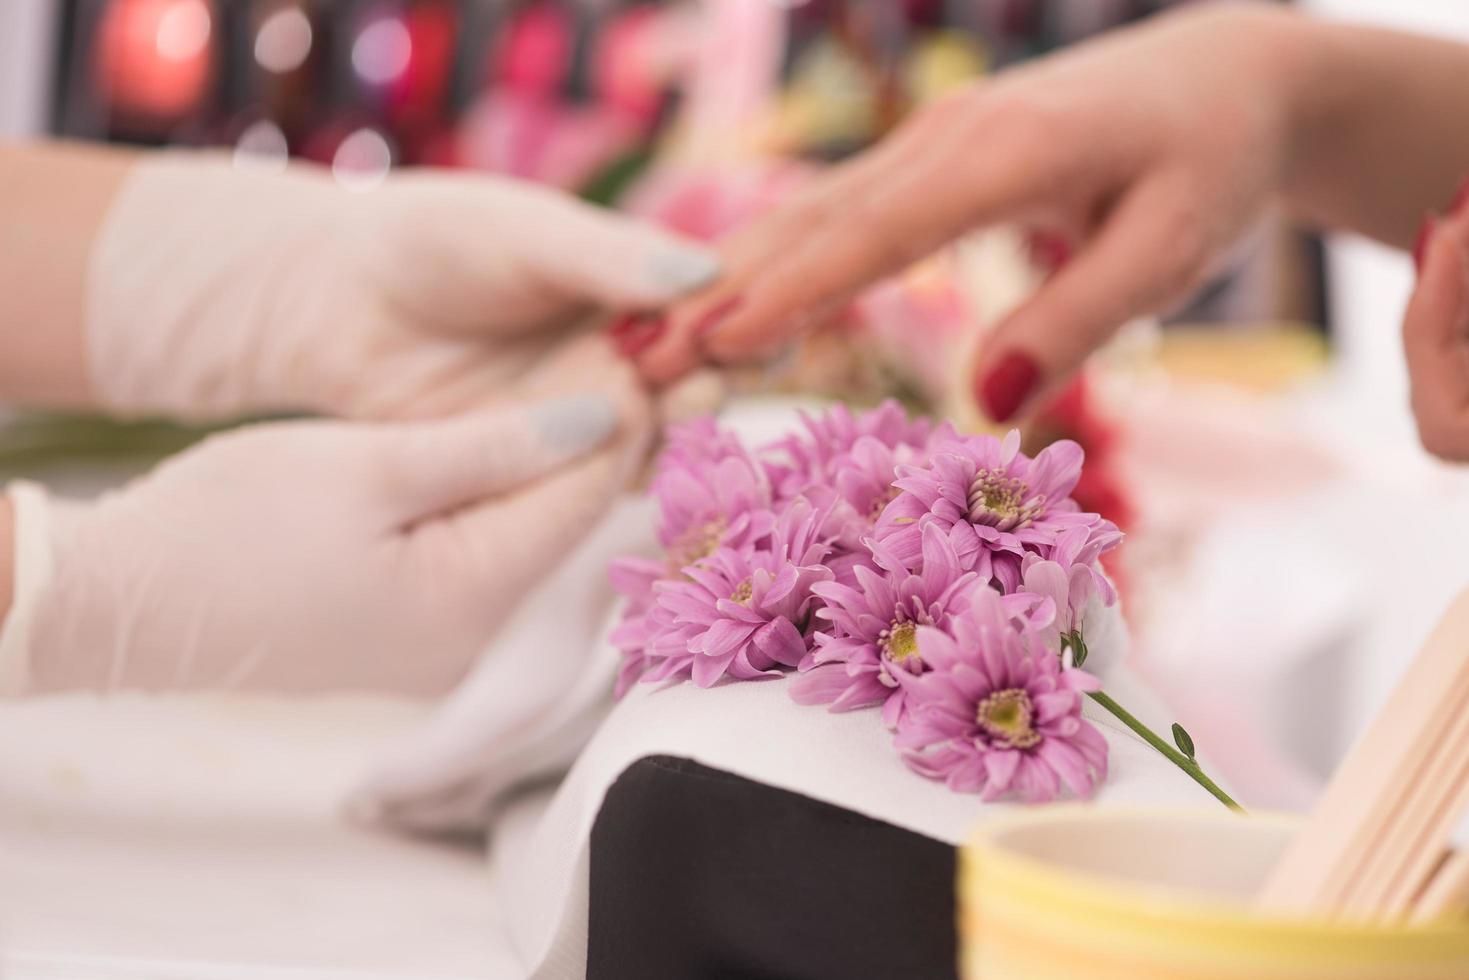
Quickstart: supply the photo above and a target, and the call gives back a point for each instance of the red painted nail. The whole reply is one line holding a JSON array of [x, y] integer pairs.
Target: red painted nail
[[634, 333], [1420, 244], [1049, 251], [1005, 389], [1461, 198], [716, 315]]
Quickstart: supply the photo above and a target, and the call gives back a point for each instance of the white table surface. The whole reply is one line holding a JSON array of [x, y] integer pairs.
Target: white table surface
[[199, 838]]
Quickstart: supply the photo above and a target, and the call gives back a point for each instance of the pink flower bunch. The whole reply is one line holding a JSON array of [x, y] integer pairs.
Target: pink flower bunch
[[885, 562]]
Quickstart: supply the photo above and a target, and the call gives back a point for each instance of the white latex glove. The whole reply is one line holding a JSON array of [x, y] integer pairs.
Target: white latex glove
[[215, 291], [313, 556]]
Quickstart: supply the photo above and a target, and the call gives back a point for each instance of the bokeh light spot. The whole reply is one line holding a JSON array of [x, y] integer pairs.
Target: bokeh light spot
[[262, 146], [381, 52], [362, 160], [284, 41], [183, 30]]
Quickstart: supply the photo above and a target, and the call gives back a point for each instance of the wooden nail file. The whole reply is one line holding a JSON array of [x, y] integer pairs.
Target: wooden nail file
[[1427, 851], [1398, 759], [1413, 841], [1447, 893], [1411, 782]]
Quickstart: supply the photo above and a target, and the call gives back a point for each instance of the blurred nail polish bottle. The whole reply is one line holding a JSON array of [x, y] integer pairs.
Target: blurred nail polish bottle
[[418, 101], [631, 69], [152, 63]]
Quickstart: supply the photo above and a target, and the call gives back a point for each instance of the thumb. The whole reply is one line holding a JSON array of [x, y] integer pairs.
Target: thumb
[[593, 254], [536, 526], [432, 467], [1148, 254]]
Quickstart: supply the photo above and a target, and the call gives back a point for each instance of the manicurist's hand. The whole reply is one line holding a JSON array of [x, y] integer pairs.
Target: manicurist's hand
[[1147, 153], [422, 296], [317, 556], [180, 284]]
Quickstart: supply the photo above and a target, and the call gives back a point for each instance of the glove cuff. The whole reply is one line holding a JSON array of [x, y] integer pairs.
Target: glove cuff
[[34, 562]]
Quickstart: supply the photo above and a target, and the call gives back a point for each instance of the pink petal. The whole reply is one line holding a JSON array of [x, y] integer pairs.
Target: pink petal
[[820, 685], [1069, 764], [708, 670], [781, 642], [1000, 766], [725, 636]]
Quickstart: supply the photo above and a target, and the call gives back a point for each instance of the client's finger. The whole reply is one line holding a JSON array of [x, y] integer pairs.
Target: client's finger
[[1148, 254], [786, 244]]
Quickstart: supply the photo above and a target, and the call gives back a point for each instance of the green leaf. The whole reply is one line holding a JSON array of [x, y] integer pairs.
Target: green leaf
[[1182, 739], [1078, 649]]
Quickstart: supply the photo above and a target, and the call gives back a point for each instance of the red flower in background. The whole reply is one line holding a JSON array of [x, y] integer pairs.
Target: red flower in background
[[1100, 489]]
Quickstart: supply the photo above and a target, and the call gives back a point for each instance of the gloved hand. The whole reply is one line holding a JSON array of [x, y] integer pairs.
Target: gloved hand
[[312, 556], [216, 292]]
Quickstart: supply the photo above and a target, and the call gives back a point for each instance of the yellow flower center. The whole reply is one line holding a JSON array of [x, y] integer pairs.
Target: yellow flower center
[[902, 642], [742, 592], [696, 544], [1001, 500], [1005, 717]]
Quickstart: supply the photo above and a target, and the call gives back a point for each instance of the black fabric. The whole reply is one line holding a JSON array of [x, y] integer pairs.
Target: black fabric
[[697, 872]]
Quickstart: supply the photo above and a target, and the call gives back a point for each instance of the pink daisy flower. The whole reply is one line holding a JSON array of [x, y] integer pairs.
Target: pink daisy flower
[[741, 614], [1070, 580], [647, 639], [995, 713], [811, 458], [711, 493], [699, 441], [633, 579], [858, 488], [873, 635], [995, 503], [863, 480]]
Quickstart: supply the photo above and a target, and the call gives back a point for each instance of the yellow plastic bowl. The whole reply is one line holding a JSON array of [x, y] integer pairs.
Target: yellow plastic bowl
[[1074, 891]]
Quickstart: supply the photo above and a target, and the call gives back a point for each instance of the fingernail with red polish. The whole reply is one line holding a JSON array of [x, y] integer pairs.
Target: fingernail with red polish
[[1005, 389], [1049, 251], [634, 333], [717, 314], [1420, 244]]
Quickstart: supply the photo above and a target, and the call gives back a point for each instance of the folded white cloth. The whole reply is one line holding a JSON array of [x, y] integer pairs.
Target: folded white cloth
[[755, 730], [529, 705]]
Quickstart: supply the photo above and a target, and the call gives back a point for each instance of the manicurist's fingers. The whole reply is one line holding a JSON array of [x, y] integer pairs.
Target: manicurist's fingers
[[431, 467], [533, 529], [592, 254]]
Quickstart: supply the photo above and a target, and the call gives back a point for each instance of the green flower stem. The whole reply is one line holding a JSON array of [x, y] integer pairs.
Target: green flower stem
[[1190, 766]]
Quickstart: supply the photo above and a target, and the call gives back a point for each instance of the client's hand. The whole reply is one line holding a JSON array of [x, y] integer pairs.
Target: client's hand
[[1148, 151], [313, 556], [1436, 338]]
